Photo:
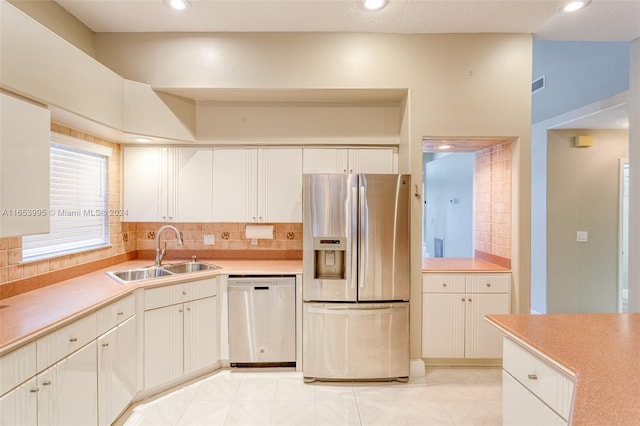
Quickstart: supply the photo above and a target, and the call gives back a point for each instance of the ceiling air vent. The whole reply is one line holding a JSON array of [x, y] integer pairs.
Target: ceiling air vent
[[537, 85]]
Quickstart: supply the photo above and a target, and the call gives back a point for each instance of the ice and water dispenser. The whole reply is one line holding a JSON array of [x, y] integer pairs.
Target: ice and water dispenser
[[329, 258]]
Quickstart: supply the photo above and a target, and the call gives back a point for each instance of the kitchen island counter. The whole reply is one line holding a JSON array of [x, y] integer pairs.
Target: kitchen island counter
[[27, 316], [600, 350]]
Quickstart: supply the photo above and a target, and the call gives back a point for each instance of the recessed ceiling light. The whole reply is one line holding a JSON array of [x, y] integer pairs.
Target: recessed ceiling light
[[141, 139], [374, 4], [444, 147], [178, 4], [574, 5]]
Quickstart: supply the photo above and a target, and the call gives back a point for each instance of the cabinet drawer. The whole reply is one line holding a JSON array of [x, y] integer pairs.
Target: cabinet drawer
[[553, 387], [179, 293], [17, 366], [204, 288], [486, 283], [165, 296], [118, 311], [444, 283], [62, 342]]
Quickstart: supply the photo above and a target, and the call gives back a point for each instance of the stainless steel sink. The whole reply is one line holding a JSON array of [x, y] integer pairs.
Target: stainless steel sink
[[132, 275], [186, 267]]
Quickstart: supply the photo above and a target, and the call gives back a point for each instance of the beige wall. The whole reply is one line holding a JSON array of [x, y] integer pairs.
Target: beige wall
[[582, 195], [634, 176], [57, 19]]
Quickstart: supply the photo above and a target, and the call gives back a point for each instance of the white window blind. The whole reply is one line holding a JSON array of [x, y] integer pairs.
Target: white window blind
[[78, 205]]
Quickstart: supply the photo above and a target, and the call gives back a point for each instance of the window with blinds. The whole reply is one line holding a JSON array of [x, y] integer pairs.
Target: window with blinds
[[78, 205]]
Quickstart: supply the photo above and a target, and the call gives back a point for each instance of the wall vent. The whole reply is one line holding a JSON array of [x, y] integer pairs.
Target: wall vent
[[537, 85]]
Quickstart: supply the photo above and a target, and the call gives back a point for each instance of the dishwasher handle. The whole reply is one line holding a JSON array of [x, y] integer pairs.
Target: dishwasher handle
[[261, 287]]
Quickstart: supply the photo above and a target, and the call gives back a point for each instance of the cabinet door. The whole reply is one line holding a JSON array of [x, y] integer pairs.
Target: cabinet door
[[194, 184], [522, 408], [443, 325], [163, 350], [482, 339], [234, 185], [24, 165], [68, 392], [117, 370], [280, 185], [324, 160], [200, 334], [143, 183], [19, 407], [371, 160]]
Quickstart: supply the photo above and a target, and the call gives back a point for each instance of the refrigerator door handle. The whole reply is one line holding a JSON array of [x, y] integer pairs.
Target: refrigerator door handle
[[354, 311], [363, 232], [352, 232]]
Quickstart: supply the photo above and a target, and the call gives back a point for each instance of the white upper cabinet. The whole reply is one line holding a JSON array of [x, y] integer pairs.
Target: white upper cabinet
[[194, 184], [165, 184], [257, 185], [350, 160], [24, 167]]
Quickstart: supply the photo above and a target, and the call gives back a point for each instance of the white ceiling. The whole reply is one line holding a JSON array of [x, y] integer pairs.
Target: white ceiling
[[602, 20]]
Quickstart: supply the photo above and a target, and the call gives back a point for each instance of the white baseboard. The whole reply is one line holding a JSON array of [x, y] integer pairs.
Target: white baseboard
[[416, 368]]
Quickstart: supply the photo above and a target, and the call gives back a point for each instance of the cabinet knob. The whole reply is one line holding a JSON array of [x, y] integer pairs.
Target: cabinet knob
[[105, 344], [120, 313], [469, 299], [444, 284], [532, 377], [180, 310], [463, 299], [73, 339], [46, 383], [184, 292], [488, 284], [188, 308], [34, 390]]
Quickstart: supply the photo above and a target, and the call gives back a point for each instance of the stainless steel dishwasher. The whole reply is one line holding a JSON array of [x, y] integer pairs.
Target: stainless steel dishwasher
[[262, 321]]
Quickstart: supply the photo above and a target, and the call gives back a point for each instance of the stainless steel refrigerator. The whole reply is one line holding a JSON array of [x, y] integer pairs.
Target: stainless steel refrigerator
[[356, 277]]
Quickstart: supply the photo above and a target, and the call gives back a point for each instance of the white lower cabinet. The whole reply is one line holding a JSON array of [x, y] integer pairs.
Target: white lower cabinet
[[20, 406], [179, 338], [534, 392], [453, 311], [68, 391], [116, 371], [522, 408]]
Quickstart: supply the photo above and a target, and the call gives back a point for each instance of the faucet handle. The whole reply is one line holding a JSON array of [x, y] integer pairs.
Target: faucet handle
[[193, 258]]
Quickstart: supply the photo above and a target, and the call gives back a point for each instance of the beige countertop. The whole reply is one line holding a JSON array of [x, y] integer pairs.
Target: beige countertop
[[602, 350], [27, 316], [450, 264]]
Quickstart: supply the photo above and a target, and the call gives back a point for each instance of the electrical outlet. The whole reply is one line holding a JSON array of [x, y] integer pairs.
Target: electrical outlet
[[209, 240], [582, 236], [254, 242]]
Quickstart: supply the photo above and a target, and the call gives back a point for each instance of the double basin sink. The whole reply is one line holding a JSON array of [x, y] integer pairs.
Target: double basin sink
[[131, 275]]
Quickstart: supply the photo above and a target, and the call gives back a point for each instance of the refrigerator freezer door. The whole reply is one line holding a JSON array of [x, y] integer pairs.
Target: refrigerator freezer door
[[384, 264], [356, 341], [330, 218]]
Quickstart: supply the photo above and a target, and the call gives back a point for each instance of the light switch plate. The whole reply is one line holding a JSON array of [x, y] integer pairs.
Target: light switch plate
[[209, 240], [582, 236]]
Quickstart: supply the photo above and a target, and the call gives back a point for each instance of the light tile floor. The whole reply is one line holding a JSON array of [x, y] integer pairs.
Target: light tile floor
[[445, 396]]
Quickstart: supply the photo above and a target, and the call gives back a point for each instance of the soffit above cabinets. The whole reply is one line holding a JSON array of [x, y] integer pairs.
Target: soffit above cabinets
[[299, 96], [461, 144]]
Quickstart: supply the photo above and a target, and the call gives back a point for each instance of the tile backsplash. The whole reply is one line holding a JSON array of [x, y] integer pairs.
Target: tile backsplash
[[226, 236], [493, 200]]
